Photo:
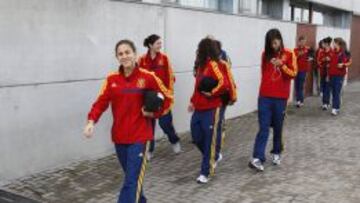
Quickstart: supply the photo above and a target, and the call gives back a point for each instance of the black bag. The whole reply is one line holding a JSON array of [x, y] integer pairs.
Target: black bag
[[207, 84], [225, 98], [153, 101]]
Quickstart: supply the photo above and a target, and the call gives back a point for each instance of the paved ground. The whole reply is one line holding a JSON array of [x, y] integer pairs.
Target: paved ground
[[321, 164]]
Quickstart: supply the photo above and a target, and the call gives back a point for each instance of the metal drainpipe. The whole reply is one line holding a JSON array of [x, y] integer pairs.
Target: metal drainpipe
[[311, 10]]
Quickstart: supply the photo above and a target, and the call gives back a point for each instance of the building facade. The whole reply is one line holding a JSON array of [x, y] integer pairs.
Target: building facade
[[55, 54]]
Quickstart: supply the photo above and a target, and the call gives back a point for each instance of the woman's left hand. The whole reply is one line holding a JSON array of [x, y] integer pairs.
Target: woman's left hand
[[276, 62], [340, 65], [147, 114], [208, 94]]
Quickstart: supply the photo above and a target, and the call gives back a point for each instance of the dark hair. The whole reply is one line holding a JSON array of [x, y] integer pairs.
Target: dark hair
[[270, 36], [341, 42], [218, 44], [320, 46], [127, 42], [150, 40], [207, 49], [327, 40], [302, 37]]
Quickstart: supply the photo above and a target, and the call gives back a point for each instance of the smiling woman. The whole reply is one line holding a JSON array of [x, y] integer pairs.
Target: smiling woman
[[159, 63], [132, 128]]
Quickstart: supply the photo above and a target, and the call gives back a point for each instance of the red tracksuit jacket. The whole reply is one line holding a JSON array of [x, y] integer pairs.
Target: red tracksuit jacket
[[317, 54], [324, 63], [198, 99], [302, 59], [275, 81], [229, 82], [339, 57], [161, 66], [125, 94]]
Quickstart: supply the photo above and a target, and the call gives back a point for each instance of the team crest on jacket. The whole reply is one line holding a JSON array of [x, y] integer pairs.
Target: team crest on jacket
[[140, 83], [161, 62]]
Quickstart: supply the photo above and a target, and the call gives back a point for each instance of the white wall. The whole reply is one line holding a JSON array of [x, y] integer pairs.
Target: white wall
[[322, 32], [49, 41], [356, 7], [45, 45]]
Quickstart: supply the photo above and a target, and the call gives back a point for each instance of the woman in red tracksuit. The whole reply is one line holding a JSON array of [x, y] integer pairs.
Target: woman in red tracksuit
[[324, 60], [132, 128], [302, 56], [205, 105], [338, 69], [316, 70], [229, 97], [278, 68], [156, 61]]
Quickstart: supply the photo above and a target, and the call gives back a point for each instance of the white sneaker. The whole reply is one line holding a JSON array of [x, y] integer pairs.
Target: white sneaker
[[149, 156], [256, 165], [176, 148], [202, 179], [276, 159], [218, 160], [334, 112]]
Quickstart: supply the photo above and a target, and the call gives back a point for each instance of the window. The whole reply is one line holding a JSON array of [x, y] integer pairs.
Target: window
[[226, 6], [245, 6], [272, 8], [300, 15], [337, 19], [209, 4], [318, 18], [297, 15], [305, 16]]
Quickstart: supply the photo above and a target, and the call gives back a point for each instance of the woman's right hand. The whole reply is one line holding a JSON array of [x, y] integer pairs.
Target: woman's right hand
[[89, 129], [190, 108], [276, 62]]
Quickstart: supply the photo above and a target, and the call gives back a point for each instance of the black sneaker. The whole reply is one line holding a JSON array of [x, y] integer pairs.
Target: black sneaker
[[325, 107]]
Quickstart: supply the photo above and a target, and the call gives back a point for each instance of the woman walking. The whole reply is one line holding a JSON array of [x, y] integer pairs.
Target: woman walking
[[205, 105], [132, 128], [338, 69], [158, 62], [278, 68]]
